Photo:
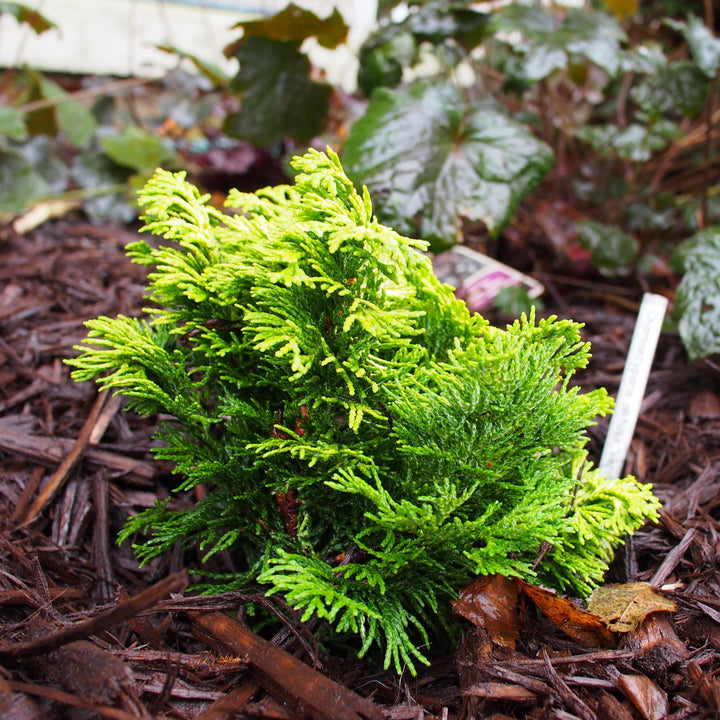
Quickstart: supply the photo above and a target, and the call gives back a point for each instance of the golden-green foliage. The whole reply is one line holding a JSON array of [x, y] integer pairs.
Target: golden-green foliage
[[369, 445]]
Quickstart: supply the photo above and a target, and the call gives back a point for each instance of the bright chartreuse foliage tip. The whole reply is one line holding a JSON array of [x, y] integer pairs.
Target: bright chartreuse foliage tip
[[369, 446]]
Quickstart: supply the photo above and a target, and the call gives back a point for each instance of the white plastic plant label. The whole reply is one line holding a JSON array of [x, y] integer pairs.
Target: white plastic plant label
[[633, 383]]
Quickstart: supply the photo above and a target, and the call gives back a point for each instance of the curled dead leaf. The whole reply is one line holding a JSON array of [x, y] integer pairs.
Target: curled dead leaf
[[490, 602], [582, 626], [623, 607], [649, 700]]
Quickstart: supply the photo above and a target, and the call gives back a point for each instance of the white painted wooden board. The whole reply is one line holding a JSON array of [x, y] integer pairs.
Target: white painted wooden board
[[119, 37]]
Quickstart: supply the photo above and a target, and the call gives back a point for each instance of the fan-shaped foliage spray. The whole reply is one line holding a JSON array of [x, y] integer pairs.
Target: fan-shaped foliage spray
[[368, 445]]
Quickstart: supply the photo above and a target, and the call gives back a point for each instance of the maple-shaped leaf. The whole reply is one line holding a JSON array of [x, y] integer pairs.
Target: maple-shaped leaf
[[429, 158], [623, 607], [279, 98]]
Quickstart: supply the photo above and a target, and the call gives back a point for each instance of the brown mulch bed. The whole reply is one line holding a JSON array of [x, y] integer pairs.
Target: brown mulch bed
[[86, 633]]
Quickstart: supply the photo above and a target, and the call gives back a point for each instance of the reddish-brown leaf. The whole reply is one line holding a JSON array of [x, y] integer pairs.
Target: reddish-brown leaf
[[490, 602], [649, 700], [582, 626]]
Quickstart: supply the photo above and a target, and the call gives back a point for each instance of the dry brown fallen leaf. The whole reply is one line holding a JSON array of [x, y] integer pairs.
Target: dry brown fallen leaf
[[582, 626], [649, 700], [623, 607], [490, 602]]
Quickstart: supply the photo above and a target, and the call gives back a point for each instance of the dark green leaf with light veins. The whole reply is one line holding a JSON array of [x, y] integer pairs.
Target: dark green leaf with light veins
[[543, 55], [704, 46], [634, 142], [583, 35], [613, 250], [393, 46], [697, 301], [645, 58], [680, 89], [595, 37], [430, 159], [435, 22], [533, 23], [278, 97], [106, 184], [383, 61]]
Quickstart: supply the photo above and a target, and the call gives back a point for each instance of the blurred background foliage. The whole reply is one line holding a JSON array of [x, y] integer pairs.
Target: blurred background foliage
[[587, 135]]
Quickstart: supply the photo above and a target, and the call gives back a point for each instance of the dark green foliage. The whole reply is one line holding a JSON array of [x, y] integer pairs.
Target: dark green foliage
[[368, 445], [704, 46], [431, 158], [12, 124], [448, 27], [613, 251], [279, 98], [294, 24], [680, 89], [382, 62], [138, 150], [19, 181], [549, 45], [697, 303]]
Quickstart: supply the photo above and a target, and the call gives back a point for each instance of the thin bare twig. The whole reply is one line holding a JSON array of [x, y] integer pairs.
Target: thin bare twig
[[71, 460], [122, 611]]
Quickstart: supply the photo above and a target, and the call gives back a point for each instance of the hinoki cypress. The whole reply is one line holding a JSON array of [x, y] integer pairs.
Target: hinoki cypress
[[369, 446]]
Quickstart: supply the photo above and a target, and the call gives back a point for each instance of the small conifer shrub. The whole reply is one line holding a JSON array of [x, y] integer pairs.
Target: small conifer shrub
[[368, 445]]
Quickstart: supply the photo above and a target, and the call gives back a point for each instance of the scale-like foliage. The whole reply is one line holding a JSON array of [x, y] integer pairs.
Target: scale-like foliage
[[369, 446]]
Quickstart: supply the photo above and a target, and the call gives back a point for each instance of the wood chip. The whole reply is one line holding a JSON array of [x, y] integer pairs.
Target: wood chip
[[53, 450], [283, 675]]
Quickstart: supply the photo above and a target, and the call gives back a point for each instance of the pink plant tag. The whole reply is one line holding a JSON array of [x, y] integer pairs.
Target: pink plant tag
[[478, 279]]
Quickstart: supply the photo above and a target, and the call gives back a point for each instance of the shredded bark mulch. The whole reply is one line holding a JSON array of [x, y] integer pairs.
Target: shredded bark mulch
[[86, 633]]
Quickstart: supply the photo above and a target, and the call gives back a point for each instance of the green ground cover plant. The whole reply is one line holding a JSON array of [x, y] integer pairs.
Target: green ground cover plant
[[469, 112], [463, 117], [367, 445]]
